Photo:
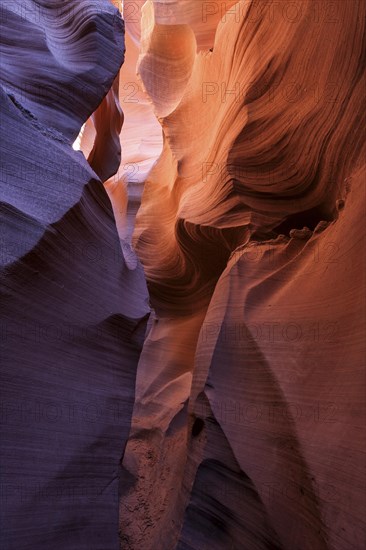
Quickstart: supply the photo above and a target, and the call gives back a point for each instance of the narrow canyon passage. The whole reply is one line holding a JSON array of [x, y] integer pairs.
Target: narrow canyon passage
[[183, 275]]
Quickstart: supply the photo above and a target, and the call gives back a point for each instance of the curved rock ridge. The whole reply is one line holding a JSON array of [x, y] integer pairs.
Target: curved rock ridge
[[172, 32], [67, 55], [165, 47], [248, 408], [74, 303], [105, 156], [123, 180], [211, 396], [173, 24], [281, 319], [140, 149], [201, 15], [74, 316], [242, 185]]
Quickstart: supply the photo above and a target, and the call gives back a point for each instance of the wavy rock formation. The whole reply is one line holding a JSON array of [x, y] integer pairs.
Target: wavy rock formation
[[296, 436], [74, 311], [258, 193], [79, 47], [105, 155], [217, 196], [228, 156]]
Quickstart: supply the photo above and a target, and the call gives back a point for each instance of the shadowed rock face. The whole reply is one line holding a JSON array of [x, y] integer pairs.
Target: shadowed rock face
[[59, 58], [233, 419], [276, 325], [73, 312]]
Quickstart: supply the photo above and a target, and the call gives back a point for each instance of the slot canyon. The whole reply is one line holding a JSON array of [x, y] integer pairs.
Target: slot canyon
[[183, 275]]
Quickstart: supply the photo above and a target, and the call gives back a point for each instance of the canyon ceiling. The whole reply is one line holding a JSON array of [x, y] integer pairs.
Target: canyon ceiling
[[183, 274]]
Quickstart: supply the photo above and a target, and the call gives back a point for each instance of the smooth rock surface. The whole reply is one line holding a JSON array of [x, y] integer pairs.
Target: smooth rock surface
[[228, 156], [73, 312], [250, 234]]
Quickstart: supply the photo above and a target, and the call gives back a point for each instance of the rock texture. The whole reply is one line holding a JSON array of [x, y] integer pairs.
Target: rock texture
[[248, 407], [228, 156], [73, 309], [297, 436]]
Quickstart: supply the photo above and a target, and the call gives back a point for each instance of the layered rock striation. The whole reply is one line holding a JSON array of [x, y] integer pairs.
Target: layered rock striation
[[74, 310], [228, 156], [248, 408]]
